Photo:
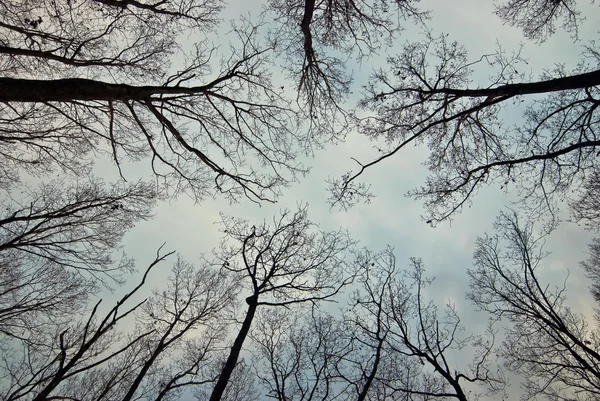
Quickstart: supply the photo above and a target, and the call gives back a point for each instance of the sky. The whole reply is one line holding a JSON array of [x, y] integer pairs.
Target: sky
[[391, 218]]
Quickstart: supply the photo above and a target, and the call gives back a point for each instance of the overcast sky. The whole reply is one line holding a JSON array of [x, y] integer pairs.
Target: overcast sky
[[391, 218]]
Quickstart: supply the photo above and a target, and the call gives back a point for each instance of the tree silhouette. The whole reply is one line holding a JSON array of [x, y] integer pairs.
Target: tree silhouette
[[281, 309], [316, 40], [390, 344], [552, 347], [284, 265], [424, 97], [96, 77]]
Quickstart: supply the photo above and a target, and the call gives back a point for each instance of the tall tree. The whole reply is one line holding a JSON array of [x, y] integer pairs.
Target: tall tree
[[390, 344], [286, 264], [37, 370], [58, 243], [407, 345], [177, 330], [298, 354], [538, 18], [552, 347], [140, 80], [424, 96], [317, 38], [96, 76], [173, 342], [73, 225]]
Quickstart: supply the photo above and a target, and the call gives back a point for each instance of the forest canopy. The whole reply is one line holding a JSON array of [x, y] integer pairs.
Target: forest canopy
[[114, 113]]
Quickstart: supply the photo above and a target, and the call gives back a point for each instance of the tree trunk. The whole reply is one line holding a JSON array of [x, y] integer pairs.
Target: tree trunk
[[365, 391], [579, 81], [309, 7], [69, 89], [234, 354]]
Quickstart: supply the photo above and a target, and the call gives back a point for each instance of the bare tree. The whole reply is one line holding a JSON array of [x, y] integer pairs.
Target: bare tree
[[99, 80], [175, 337], [424, 97], [283, 265], [35, 371], [537, 18], [193, 304], [552, 347], [390, 344], [57, 244], [241, 386], [75, 226], [177, 331], [129, 38], [297, 354], [586, 208], [368, 331], [404, 347], [316, 38], [34, 298]]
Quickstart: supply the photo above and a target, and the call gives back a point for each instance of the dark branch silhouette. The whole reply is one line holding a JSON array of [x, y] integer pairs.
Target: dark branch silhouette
[[544, 158], [550, 345], [88, 78], [284, 265]]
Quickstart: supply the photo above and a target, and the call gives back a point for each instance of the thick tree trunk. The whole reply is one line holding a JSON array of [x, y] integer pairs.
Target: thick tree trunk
[[365, 391], [69, 89], [235, 352], [309, 7], [142, 373], [579, 81]]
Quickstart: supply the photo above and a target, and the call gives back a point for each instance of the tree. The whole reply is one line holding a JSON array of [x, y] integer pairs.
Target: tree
[[73, 225], [174, 342], [424, 96], [284, 265], [297, 354], [57, 247], [140, 80], [408, 346], [390, 344], [98, 80], [553, 348], [317, 38], [537, 18], [587, 207], [35, 371], [241, 386], [177, 330], [34, 297]]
